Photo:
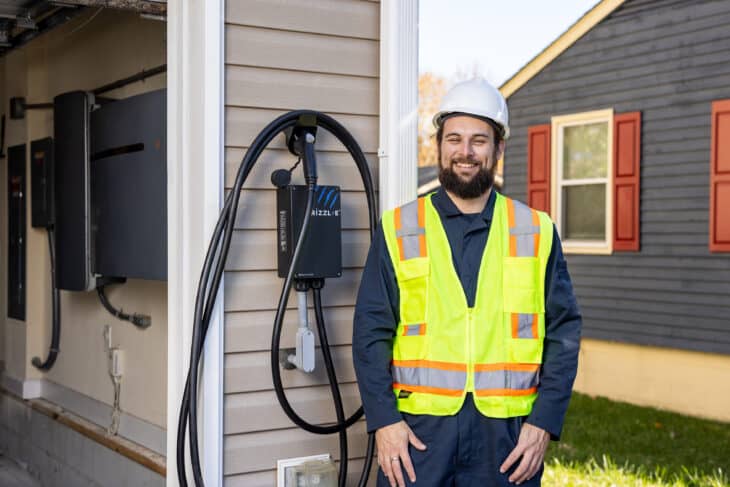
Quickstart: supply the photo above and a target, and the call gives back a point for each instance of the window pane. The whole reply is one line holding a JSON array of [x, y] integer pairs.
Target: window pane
[[584, 151], [584, 212]]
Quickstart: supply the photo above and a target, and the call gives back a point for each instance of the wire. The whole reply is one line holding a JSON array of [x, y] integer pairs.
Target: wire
[[332, 376], [56, 311], [208, 289], [139, 320]]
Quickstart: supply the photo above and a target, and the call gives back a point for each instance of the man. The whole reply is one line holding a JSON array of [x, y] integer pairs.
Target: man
[[466, 330]]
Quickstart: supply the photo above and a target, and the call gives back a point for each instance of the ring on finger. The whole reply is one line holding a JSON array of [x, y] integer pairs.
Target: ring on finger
[[394, 459]]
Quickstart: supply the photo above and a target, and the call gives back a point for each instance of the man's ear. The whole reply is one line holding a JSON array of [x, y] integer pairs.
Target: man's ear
[[500, 151]]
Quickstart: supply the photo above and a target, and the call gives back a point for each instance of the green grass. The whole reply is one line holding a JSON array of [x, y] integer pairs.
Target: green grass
[[607, 443]]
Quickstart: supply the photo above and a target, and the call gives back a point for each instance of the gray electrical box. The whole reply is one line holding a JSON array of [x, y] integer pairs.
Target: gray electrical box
[[129, 187]]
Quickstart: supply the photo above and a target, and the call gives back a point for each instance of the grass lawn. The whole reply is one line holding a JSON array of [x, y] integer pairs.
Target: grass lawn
[[607, 443]]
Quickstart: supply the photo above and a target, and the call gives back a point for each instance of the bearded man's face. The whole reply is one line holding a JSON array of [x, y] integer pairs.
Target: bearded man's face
[[468, 155]]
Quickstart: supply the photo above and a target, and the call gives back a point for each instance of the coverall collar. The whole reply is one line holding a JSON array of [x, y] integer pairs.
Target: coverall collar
[[447, 208]]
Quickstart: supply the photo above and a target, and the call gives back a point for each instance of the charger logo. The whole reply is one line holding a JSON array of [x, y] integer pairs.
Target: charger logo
[[319, 212], [326, 199]]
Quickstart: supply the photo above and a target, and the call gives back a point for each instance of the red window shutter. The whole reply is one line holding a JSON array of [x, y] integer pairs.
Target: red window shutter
[[538, 167], [626, 173], [720, 177]]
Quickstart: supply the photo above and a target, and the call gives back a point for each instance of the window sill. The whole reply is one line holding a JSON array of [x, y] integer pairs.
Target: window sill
[[586, 248]]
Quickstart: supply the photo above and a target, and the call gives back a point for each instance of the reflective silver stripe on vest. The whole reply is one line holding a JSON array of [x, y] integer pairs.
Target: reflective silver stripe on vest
[[411, 330], [505, 379], [524, 230], [421, 376], [524, 325], [410, 230]]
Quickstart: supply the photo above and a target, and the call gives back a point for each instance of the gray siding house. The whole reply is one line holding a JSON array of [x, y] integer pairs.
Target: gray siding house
[[621, 132]]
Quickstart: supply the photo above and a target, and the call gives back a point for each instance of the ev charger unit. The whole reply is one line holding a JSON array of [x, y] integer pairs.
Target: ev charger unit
[[321, 254]]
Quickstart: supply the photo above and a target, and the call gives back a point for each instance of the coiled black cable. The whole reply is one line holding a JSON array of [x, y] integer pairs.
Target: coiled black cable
[[56, 311], [208, 288], [332, 376]]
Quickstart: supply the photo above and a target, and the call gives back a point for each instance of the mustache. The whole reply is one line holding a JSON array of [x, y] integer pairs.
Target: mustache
[[462, 159]]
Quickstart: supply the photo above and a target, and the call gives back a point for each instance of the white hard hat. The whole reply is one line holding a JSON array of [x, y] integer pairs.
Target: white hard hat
[[475, 97]]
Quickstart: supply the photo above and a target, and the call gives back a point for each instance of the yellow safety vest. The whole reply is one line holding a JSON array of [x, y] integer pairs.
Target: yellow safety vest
[[443, 348]]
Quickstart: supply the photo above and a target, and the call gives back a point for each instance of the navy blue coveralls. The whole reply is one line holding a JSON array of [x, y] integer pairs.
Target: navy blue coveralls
[[468, 448]]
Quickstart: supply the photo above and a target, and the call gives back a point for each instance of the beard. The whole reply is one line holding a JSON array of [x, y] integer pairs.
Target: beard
[[466, 189]]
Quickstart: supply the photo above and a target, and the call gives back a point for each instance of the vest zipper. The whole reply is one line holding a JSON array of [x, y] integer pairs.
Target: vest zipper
[[469, 350]]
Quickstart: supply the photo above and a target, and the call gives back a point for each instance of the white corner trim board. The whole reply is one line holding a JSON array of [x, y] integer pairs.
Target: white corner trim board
[[195, 60], [398, 151]]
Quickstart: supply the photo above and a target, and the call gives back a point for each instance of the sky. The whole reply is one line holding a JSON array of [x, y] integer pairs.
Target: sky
[[491, 38]]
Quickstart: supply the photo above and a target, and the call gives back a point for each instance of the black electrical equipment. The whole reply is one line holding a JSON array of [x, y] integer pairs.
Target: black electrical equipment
[[74, 245], [321, 254], [300, 127], [41, 183], [16, 232], [129, 187], [42, 209], [2, 137]]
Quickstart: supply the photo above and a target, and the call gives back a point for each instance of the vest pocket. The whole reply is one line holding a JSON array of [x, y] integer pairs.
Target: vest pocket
[[413, 288], [520, 286], [524, 307]]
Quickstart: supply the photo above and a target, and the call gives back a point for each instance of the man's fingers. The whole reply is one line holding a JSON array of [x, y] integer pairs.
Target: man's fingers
[[415, 441], [385, 466], [520, 473], [397, 473], [534, 467], [405, 459], [511, 458]]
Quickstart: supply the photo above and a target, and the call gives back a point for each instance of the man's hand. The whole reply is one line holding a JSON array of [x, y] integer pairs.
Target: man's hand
[[531, 446], [392, 441]]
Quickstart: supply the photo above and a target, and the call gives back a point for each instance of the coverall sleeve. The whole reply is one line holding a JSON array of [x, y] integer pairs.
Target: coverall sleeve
[[375, 322], [562, 342]]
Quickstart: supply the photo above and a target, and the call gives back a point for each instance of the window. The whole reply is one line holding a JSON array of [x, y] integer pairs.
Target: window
[[582, 191], [583, 169]]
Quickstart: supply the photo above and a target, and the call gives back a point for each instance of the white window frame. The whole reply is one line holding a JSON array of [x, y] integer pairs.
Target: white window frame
[[558, 124]]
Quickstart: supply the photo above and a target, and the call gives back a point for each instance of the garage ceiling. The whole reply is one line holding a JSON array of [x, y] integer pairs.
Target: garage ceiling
[[22, 20]]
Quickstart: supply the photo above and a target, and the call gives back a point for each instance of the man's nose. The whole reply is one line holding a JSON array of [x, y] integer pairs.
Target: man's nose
[[467, 150]]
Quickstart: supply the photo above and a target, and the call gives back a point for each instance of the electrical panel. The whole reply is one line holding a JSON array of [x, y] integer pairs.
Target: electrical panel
[[41, 183], [74, 249], [321, 254], [129, 187], [16, 232]]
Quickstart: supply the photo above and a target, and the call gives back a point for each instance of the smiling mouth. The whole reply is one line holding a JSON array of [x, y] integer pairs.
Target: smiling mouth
[[465, 165]]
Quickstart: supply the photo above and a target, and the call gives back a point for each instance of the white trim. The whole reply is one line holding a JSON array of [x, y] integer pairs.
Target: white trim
[[26, 389], [195, 189], [558, 124], [398, 152], [212, 374]]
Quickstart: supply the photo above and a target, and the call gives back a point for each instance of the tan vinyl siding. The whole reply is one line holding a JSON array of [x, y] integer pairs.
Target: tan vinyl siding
[[282, 56]]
